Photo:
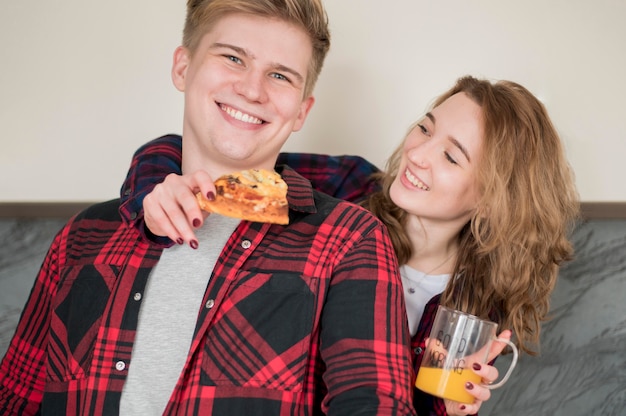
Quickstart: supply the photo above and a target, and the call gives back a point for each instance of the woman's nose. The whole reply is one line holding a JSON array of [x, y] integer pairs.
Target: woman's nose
[[420, 154]]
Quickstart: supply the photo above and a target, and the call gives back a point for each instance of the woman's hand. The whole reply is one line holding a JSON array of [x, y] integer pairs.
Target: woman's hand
[[171, 209], [488, 373]]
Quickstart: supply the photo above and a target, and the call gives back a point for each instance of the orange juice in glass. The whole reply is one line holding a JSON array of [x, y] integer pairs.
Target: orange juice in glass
[[457, 340], [446, 383]]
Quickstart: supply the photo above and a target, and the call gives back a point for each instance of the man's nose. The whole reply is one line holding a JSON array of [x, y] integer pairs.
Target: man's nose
[[251, 85]]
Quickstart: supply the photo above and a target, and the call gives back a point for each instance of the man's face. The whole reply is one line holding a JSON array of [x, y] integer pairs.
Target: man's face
[[244, 93]]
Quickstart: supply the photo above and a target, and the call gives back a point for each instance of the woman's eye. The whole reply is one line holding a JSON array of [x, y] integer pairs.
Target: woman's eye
[[423, 129], [450, 158]]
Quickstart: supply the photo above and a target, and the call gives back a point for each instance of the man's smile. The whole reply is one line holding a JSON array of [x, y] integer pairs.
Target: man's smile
[[238, 115]]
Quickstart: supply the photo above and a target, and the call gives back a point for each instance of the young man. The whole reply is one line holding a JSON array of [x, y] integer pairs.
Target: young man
[[254, 318]]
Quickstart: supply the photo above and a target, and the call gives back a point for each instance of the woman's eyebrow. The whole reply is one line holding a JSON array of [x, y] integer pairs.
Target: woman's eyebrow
[[454, 141]]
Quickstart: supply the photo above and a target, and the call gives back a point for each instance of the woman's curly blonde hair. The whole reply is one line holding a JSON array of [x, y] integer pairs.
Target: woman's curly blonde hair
[[511, 248]]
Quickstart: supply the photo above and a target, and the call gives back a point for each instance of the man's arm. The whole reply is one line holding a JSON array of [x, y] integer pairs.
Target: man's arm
[[364, 334], [22, 370]]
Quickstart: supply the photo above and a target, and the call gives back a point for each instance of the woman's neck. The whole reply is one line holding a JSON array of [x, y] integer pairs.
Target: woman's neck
[[434, 248]]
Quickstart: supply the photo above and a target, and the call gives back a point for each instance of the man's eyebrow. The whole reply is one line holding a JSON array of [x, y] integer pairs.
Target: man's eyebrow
[[293, 72], [278, 67], [451, 138]]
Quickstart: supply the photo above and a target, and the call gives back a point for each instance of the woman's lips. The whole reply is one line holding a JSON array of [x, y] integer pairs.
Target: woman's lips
[[415, 181]]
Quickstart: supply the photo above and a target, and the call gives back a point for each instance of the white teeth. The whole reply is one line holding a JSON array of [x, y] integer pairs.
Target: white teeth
[[414, 181], [238, 115]]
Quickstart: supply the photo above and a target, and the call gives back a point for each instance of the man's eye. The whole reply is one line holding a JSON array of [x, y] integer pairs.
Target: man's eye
[[279, 76], [234, 59]]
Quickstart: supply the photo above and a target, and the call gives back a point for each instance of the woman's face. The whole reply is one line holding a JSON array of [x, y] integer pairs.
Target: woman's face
[[437, 177]]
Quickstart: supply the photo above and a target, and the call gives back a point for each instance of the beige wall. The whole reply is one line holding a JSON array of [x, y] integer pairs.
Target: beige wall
[[84, 83]]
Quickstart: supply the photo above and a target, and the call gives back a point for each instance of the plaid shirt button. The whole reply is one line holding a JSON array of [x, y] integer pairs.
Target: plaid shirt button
[[120, 365], [137, 296], [210, 303], [246, 244]]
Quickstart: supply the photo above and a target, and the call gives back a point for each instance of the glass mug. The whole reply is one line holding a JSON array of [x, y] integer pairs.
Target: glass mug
[[457, 340]]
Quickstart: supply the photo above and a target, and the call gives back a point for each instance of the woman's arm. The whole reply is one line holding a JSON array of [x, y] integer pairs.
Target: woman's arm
[[168, 212], [151, 163]]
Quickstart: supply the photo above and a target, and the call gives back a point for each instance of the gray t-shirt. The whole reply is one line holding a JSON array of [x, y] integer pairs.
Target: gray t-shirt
[[168, 316]]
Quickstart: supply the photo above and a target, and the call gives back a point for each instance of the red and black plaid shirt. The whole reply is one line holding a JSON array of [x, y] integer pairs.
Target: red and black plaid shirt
[[298, 319], [346, 177]]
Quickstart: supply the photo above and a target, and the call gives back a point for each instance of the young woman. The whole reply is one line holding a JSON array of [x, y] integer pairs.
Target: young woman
[[479, 200]]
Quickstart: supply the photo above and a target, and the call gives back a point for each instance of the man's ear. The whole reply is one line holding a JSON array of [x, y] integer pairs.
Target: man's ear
[[305, 107], [180, 64]]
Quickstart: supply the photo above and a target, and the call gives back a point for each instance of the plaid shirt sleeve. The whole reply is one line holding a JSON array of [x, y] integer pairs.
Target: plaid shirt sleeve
[[151, 163], [344, 177], [424, 403], [364, 335], [22, 370]]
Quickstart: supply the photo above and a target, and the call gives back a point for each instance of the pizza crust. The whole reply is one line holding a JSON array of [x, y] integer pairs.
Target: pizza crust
[[257, 195]]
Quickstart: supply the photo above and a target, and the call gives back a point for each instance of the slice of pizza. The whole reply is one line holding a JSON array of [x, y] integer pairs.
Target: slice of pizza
[[255, 195]]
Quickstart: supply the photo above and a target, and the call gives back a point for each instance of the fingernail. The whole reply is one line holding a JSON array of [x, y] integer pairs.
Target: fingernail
[[462, 407], [476, 366], [210, 196], [196, 222], [193, 244], [469, 386], [180, 241]]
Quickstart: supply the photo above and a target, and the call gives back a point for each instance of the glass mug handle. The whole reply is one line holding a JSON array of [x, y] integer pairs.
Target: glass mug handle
[[511, 366]]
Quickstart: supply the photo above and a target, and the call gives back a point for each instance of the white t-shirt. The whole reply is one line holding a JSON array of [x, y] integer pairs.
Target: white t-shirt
[[419, 288]]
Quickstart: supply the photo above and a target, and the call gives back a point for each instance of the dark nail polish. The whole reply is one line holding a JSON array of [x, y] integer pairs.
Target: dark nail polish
[[476, 366], [193, 244], [462, 407], [210, 196], [196, 222], [180, 241], [469, 386]]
